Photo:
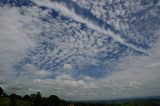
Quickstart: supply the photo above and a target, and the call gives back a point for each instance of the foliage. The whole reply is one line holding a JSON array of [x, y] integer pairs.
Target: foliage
[[1, 91]]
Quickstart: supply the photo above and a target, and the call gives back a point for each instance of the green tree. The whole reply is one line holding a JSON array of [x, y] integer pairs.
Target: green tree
[[1, 91], [37, 99], [27, 98], [5, 95], [12, 99], [53, 101]]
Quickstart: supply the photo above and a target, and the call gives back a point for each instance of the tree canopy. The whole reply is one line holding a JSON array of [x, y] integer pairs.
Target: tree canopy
[[1, 91]]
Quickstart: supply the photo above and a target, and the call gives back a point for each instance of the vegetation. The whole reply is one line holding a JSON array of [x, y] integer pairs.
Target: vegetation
[[38, 100], [1, 91]]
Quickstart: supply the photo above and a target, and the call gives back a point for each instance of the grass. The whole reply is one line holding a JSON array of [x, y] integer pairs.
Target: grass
[[6, 102]]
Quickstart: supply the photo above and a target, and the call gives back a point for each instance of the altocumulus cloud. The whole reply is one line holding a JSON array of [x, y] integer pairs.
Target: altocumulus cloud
[[57, 50]]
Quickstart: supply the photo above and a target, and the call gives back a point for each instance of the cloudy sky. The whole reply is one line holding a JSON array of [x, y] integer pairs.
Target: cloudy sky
[[80, 49]]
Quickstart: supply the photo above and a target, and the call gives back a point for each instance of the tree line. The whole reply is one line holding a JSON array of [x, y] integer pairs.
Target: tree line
[[38, 100], [34, 99]]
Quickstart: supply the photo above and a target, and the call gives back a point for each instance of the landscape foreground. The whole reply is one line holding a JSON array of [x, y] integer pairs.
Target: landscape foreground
[[38, 100]]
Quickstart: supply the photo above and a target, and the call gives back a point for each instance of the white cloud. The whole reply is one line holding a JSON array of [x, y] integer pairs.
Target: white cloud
[[34, 72], [17, 30], [14, 41], [12, 36], [64, 77], [67, 66]]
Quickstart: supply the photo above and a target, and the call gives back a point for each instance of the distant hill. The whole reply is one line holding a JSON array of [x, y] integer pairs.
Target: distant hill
[[135, 101]]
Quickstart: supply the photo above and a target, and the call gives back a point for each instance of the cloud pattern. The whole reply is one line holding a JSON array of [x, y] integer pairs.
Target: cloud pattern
[[80, 50]]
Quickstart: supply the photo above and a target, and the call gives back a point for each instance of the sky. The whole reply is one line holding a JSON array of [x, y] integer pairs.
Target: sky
[[80, 49]]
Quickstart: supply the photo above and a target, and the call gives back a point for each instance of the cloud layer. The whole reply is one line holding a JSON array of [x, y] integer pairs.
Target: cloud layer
[[54, 49]]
